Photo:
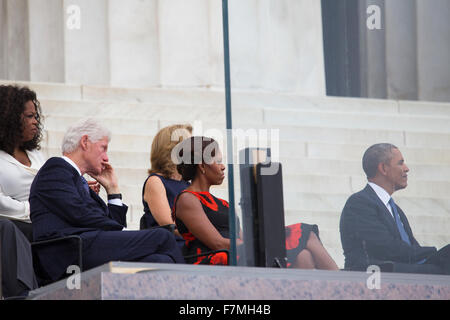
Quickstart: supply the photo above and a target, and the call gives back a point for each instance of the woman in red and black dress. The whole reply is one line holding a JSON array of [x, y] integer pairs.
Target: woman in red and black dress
[[202, 219]]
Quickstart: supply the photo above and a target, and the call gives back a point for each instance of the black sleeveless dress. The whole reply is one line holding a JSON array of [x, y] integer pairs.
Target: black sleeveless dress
[[217, 212], [173, 188]]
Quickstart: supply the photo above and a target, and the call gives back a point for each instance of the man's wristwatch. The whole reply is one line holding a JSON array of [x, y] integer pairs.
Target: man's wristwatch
[[115, 196]]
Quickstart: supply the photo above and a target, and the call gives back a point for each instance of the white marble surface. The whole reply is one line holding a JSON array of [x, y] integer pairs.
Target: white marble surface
[[87, 52], [401, 49], [433, 50], [134, 42], [46, 40], [274, 45], [183, 41], [14, 38]]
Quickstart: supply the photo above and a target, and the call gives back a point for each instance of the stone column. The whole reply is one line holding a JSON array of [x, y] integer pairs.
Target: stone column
[[373, 53], [14, 35], [184, 43], [46, 40], [433, 55], [245, 44], [401, 49], [216, 60], [273, 45], [134, 43], [277, 45], [3, 24], [3, 37], [87, 47], [291, 39]]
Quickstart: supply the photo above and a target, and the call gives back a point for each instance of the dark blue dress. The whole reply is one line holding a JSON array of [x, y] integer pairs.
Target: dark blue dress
[[173, 188]]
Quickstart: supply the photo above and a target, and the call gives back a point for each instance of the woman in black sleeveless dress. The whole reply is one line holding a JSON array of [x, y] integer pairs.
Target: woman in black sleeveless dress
[[164, 182], [202, 219], [173, 187], [216, 211]]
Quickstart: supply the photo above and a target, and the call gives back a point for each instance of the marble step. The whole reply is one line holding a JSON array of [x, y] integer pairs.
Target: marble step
[[335, 202], [330, 142], [271, 117], [327, 167], [425, 180], [313, 183], [415, 123], [307, 152], [132, 112], [298, 136], [196, 96], [47, 90], [429, 172], [424, 155]]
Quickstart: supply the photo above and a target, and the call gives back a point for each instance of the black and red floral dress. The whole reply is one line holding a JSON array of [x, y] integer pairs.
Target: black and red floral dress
[[217, 212]]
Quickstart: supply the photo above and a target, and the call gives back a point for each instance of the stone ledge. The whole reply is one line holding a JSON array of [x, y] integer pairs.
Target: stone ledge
[[120, 280]]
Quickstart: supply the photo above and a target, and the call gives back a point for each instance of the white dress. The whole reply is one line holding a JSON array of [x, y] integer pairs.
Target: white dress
[[15, 183]]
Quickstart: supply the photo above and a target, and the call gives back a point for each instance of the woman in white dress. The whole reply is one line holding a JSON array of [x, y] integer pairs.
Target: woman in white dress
[[20, 158]]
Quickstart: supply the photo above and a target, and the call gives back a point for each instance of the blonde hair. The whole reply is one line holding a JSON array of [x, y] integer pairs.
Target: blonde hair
[[163, 143]]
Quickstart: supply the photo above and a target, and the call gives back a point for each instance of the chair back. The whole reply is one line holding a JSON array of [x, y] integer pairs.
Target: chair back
[[51, 258]]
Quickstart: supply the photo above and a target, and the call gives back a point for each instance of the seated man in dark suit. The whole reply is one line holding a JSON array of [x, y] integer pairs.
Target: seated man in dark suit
[[61, 204], [375, 231]]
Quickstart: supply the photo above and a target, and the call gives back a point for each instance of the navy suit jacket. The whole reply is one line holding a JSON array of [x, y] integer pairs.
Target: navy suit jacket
[[60, 206], [369, 234]]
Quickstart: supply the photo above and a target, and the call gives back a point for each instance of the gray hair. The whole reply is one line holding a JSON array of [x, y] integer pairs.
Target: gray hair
[[90, 127], [378, 153]]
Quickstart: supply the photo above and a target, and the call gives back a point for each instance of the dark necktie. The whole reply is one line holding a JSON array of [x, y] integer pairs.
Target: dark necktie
[[400, 226], [85, 185]]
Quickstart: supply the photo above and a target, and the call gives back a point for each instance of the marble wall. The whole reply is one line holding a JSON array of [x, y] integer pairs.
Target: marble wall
[[46, 31], [433, 49], [275, 45], [407, 58], [14, 41], [401, 43]]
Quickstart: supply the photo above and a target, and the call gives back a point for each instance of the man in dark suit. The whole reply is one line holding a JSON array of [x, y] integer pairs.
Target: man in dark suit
[[375, 231], [61, 204]]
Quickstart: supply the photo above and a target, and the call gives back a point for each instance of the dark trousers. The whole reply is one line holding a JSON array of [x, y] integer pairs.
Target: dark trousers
[[26, 229], [437, 263], [426, 268], [17, 272], [150, 245]]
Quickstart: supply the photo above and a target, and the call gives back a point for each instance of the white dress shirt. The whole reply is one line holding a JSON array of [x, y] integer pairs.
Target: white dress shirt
[[15, 183], [383, 195]]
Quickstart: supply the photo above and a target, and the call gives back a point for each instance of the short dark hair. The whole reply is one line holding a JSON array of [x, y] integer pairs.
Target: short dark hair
[[378, 153], [12, 105], [192, 152]]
